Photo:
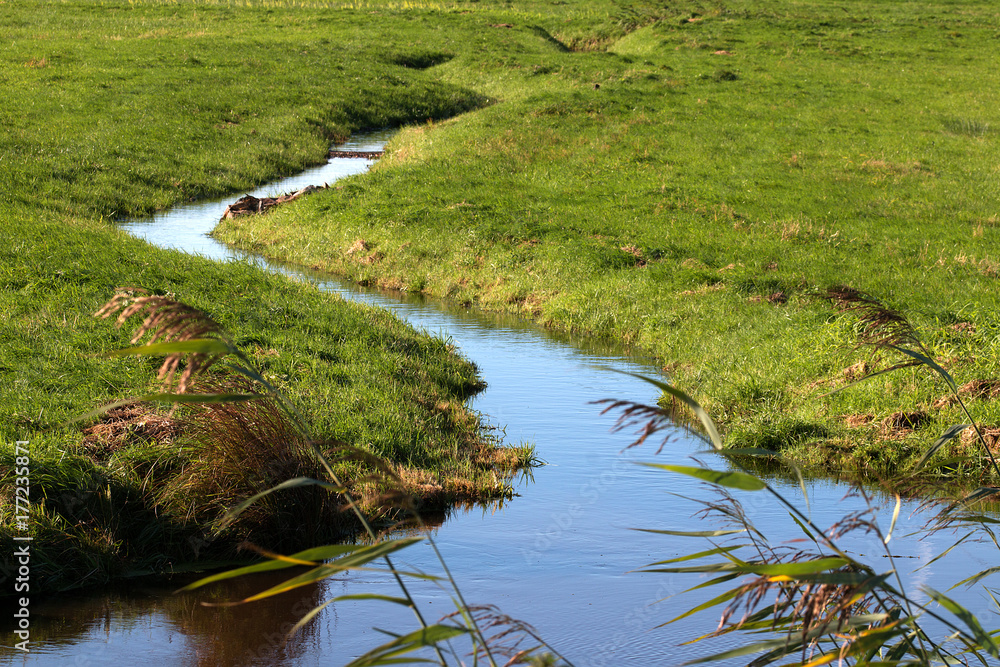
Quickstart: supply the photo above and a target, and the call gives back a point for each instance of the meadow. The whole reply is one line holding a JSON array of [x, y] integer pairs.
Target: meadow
[[684, 178], [689, 178], [112, 111]]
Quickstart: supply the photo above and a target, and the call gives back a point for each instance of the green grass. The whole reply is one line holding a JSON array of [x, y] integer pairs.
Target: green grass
[[114, 110], [658, 175], [643, 173]]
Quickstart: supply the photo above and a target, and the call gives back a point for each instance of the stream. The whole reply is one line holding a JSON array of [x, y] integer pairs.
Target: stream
[[561, 555]]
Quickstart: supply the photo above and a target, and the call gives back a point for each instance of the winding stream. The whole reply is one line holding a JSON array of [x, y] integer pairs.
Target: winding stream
[[557, 556]]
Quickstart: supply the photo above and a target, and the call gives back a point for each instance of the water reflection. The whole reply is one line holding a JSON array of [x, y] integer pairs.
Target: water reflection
[[148, 619]]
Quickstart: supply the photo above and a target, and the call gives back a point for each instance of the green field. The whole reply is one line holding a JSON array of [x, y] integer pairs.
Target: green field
[[685, 178], [116, 110], [682, 177]]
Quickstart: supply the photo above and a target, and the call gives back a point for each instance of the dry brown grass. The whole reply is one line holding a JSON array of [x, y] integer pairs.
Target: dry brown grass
[[859, 420], [857, 371], [991, 437], [237, 450], [123, 425], [775, 298], [359, 245], [635, 252], [900, 423], [975, 389]]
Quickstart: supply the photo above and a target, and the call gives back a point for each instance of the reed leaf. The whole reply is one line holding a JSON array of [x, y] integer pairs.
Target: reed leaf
[[950, 433], [733, 480], [713, 582], [297, 482], [312, 613], [795, 570], [351, 561], [895, 517], [693, 533], [749, 649], [945, 552], [982, 493], [884, 371], [307, 557], [700, 554], [387, 654], [803, 527], [930, 363], [695, 406], [982, 638], [979, 576], [725, 597]]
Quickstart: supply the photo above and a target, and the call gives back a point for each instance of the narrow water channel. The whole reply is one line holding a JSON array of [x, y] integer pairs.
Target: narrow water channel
[[559, 556]]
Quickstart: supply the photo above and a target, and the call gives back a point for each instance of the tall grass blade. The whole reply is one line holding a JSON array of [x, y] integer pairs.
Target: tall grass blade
[[352, 561], [890, 369], [982, 493], [930, 363], [700, 554], [797, 569], [895, 516], [979, 576], [308, 557], [733, 480], [708, 567], [311, 614], [803, 527], [802, 486], [386, 654], [945, 552], [288, 484], [725, 597], [749, 649], [712, 582], [982, 638], [360, 596], [949, 434], [996, 603], [694, 533]]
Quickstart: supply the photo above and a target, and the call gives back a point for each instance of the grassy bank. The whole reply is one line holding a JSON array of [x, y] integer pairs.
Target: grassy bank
[[685, 179], [678, 178], [116, 110]]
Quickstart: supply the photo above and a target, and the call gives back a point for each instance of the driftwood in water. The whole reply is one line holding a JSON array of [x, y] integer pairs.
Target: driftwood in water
[[366, 155], [251, 204]]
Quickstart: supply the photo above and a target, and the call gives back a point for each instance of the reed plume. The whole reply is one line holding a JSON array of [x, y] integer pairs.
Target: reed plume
[[878, 325], [166, 320]]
